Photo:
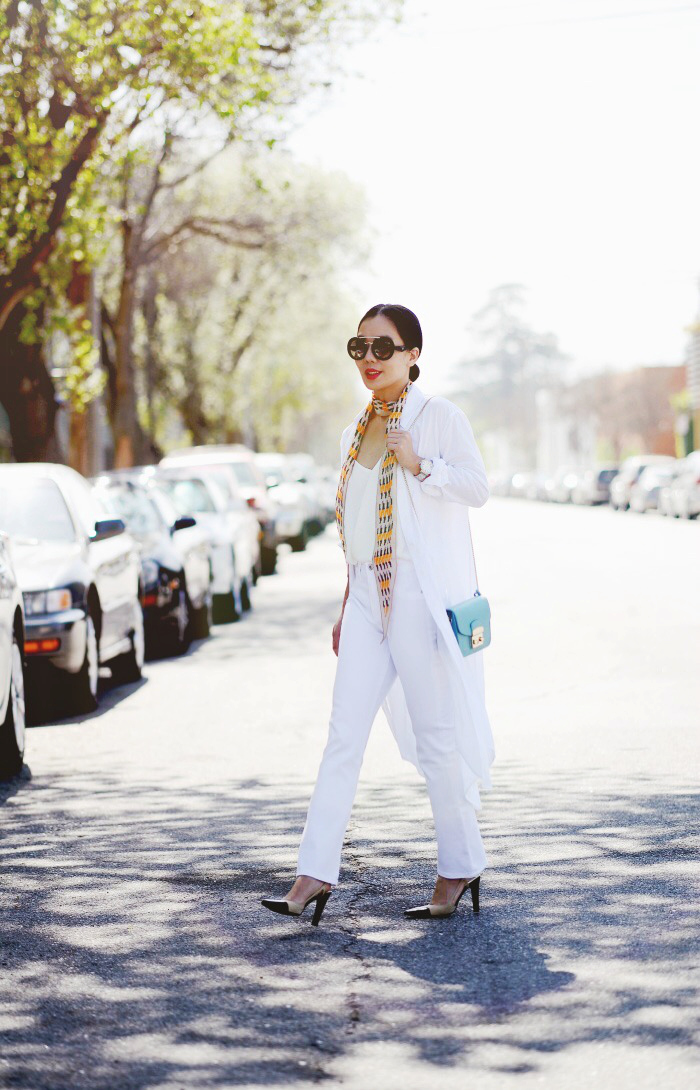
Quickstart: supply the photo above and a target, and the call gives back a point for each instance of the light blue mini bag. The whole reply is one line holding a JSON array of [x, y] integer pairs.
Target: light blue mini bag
[[471, 623]]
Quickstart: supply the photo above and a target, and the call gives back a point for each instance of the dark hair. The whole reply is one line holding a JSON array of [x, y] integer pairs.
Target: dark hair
[[407, 325]]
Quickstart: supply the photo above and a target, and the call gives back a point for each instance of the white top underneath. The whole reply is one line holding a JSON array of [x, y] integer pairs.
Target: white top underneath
[[360, 508]]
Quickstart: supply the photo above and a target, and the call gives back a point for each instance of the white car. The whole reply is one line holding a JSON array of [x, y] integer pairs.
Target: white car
[[234, 466], [294, 509], [233, 531], [684, 489], [12, 723]]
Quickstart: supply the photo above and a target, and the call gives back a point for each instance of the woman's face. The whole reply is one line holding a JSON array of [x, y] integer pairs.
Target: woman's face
[[384, 375]]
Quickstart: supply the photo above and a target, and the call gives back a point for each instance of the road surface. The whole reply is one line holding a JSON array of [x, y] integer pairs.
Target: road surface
[[138, 842]]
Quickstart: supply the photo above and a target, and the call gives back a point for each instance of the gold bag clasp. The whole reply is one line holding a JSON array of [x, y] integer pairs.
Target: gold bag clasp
[[477, 636]]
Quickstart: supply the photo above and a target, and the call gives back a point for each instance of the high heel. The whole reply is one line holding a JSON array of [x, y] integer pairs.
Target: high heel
[[295, 908], [432, 912]]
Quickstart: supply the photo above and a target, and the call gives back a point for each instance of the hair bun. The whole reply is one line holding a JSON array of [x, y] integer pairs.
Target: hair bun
[[413, 372]]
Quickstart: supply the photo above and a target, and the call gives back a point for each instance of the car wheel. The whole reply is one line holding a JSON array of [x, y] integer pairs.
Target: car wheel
[[12, 731], [202, 619], [246, 602], [129, 667], [300, 542], [83, 685], [268, 560]]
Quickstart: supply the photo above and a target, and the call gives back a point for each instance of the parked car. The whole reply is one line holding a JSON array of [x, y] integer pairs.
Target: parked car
[[560, 486], [328, 489], [644, 493], [233, 535], [593, 486], [303, 469], [499, 483], [245, 479], [175, 564], [79, 572], [630, 470], [291, 498], [684, 489], [521, 482], [12, 722]]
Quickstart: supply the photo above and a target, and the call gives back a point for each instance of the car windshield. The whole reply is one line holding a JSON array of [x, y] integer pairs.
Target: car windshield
[[137, 511], [35, 510], [244, 473], [189, 497]]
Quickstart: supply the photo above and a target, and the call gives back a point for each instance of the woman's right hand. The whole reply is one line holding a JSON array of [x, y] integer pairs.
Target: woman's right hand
[[336, 634]]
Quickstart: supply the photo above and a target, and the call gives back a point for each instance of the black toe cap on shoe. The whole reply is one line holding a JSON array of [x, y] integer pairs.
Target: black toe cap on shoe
[[276, 906]]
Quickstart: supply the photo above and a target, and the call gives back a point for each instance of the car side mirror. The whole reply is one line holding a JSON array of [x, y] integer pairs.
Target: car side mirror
[[183, 523], [105, 528]]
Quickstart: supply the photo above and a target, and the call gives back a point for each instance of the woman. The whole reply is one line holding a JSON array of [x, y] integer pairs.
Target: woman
[[410, 471]]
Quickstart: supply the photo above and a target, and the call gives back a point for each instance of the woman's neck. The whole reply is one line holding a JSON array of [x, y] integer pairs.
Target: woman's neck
[[391, 393]]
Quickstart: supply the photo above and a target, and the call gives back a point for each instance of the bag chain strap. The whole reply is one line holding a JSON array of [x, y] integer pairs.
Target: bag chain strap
[[471, 539]]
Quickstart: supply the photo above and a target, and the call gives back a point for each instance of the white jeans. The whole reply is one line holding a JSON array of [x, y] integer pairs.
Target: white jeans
[[366, 669]]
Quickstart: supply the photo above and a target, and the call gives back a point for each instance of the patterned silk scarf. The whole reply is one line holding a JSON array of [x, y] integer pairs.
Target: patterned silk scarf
[[384, 519]]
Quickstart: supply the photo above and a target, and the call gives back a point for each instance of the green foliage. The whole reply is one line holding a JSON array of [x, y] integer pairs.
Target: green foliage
[[251, 341], [88, 88], [78, 78]]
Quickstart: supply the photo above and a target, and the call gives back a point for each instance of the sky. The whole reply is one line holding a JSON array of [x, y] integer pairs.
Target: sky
[[552, 143]]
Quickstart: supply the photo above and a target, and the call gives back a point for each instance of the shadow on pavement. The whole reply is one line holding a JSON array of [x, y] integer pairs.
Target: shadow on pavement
[[135, 952]]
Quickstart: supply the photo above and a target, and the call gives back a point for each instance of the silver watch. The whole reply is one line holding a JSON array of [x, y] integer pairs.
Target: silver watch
[[426, 468]]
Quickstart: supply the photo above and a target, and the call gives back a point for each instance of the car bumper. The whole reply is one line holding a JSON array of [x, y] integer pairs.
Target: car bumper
[[221, 568], [68, 628], [290, 525], [269, 535]]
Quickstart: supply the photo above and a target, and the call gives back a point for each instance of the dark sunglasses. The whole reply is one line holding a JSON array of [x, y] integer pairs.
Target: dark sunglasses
[[382, 347]]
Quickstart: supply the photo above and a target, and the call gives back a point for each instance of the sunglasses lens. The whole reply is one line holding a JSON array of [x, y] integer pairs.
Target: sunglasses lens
[[383, 348], [357, 348]]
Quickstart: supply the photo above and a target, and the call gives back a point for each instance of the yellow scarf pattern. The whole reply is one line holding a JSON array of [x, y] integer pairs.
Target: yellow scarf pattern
[[383, 558]]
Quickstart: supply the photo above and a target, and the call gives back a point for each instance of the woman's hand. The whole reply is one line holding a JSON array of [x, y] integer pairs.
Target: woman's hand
[[399, 440], [336, 634]]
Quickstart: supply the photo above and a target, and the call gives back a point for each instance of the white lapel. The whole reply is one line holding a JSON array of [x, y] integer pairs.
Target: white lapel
[[415, 400]]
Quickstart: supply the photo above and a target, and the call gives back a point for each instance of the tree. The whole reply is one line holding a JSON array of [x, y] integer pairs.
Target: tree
[[245, 336], [87, 84], [507, 363]]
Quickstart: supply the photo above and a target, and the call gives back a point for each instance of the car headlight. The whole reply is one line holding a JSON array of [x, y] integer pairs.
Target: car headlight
[[47, 601]]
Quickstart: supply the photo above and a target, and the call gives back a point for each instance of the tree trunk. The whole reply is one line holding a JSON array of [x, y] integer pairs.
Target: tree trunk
[[129, 442], [28, 394], [150, 317], [191, 406]]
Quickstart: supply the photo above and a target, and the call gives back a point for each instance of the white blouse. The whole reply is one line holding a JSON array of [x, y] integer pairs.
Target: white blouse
[[360, 508]]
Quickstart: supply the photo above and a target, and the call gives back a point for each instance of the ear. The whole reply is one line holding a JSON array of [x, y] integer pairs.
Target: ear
[[413, 355]]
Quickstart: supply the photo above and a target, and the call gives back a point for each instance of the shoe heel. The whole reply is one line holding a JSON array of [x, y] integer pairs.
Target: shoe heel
[[321, 902], [474, 889]]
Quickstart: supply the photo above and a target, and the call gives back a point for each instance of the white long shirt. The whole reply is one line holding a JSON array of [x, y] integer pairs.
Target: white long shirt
[[438, 541], [359, 517]]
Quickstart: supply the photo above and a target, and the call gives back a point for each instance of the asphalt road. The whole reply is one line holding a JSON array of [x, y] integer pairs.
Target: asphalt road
[[138, 841]]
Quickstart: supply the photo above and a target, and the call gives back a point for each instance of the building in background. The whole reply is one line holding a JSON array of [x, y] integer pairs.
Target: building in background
[[608, 416]]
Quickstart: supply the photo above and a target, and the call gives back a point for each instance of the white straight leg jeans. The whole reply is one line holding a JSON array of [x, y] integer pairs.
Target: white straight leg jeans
[[366, 669]]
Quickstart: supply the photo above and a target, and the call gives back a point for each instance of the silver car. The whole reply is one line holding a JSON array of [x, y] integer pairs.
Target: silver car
[[630, 472], [684, 489], [80, 574], [233, 532]]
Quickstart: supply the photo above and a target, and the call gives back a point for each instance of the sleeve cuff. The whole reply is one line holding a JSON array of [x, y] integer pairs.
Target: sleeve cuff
[[437, 478]]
